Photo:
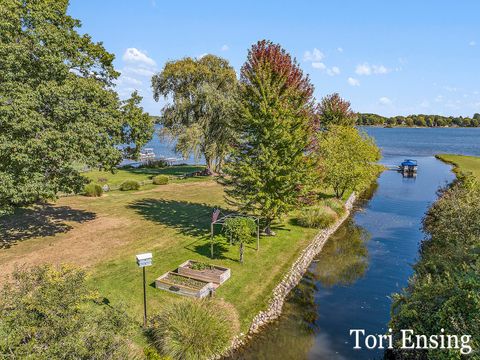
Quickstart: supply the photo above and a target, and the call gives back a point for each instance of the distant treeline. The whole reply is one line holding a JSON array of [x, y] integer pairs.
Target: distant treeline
[[419, 120]]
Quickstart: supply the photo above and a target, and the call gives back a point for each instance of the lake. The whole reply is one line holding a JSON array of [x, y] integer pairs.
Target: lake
[[349, 284]]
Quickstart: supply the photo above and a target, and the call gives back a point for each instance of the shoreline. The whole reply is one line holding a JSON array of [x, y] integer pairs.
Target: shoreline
[[288, 282]]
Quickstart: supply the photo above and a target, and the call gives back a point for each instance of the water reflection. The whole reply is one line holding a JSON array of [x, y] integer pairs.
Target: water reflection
[[343, 260]]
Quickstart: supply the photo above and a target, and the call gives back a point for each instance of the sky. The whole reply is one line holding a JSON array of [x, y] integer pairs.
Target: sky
[[385, 57]]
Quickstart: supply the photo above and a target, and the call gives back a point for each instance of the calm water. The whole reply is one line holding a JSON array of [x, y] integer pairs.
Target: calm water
[[370, 257]]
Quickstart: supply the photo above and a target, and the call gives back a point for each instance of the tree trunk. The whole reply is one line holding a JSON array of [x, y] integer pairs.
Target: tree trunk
[[241, 252]]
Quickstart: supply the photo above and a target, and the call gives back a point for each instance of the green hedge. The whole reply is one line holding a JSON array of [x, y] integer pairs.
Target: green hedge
[[130, 185]]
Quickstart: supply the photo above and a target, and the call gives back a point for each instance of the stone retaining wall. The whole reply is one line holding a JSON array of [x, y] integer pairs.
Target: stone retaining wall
[[291, 279]]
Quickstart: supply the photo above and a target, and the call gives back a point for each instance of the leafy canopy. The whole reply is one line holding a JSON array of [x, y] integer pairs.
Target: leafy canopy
[[270, 167], [347, 158], [203, 94], [333, 110], [58, 108], [49, 313]]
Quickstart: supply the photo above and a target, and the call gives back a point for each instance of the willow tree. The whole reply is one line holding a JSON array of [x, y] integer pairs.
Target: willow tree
[[270, 165], [58, 107], [201, 104]]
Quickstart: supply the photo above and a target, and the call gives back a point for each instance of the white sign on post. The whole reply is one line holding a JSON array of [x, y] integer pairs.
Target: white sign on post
[[144, 259]]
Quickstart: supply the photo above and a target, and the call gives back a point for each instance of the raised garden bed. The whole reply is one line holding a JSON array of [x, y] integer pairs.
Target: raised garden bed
[[184, 285], [206, 272]]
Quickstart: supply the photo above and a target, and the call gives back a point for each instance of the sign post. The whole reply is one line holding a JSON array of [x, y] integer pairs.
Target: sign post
[[144, 260]]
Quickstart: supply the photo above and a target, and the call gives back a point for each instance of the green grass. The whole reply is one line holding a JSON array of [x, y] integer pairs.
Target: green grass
[[463, 164], [172, 221], [142, 174]]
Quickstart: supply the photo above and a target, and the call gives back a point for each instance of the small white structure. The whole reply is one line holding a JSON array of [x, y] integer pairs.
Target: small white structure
[[144, 259]]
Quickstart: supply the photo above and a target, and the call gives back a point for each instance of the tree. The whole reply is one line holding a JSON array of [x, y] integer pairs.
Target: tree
[[270, 167], [49, 313], [58, 108], [336, 111], [347, 158], [203, 95], [240, 229]]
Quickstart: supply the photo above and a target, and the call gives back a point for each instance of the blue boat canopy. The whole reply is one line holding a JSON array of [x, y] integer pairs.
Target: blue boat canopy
[[409, 162]]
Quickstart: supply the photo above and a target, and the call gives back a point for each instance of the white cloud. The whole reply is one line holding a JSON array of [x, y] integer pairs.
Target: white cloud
[[225, 47], [134, 55], [353, 82], [472, 43], [334, 70], [314, 55], [367, 69], [384, 100], [340, 49], [319, 65], [439, 98], [201, 55], [137, 71], [127, 80]]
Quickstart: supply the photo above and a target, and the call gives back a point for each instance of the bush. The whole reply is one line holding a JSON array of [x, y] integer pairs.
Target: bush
[[160, 180], [319, 216], [49, 312], [194, 329], [93, 190], [336, 205], [130, 185], [154, 164]]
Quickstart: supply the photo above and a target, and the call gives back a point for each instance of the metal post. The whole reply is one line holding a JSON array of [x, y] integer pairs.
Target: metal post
[[211, 240], [144, 301], [258, 234]]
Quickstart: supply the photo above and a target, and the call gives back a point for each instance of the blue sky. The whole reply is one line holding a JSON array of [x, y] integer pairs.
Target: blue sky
[[386, 57]]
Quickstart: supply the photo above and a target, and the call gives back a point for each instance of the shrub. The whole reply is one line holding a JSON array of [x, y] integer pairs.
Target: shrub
[[130, 185], [160, 180], [319, 216], [240, 229], [336, 205], [154, 164], [194, 329], [50, 312], [93, 190]]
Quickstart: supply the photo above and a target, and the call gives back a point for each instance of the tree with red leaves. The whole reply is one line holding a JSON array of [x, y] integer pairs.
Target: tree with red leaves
[[336, 111], [270, 167]]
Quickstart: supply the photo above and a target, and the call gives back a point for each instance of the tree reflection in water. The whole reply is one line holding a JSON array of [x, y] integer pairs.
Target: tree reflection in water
[[344, 258]]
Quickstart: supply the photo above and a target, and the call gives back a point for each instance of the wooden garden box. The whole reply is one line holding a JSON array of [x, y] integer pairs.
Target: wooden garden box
[[217, 275], [198, 288]]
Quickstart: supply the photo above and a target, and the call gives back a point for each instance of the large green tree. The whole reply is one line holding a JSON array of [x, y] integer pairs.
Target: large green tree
[[270, 166], [50, 313], [201, 105], [333, 110], [348, 158], [58, 108]]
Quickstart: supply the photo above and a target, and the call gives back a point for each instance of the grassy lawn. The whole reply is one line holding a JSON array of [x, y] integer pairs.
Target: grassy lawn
[[463, 164], [171, 221], [140, 174]]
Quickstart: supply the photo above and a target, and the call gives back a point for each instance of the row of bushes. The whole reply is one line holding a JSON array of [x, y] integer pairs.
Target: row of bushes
[[444, 293], [96, 190], [323, 214]]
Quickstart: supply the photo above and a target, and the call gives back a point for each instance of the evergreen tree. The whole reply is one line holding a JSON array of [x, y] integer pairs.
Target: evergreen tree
[[270, 166]]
